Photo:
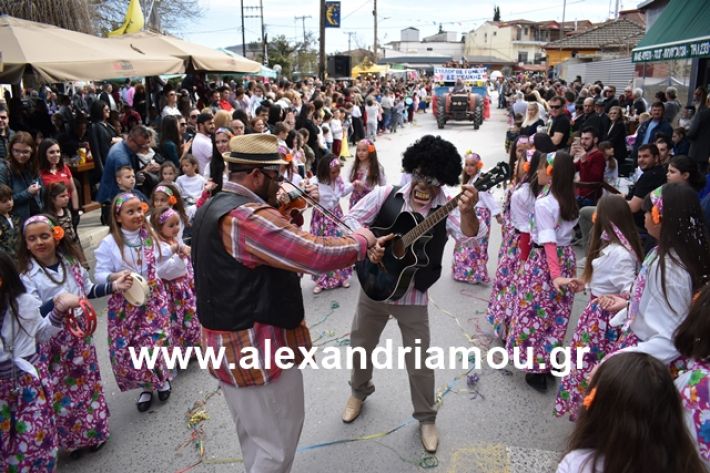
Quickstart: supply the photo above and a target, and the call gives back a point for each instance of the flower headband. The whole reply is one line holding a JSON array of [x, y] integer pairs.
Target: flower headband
[[523, 140], [528, 157], [589, 399], [165, 215], [57, 231], [334, 163], [476, 158], [657, 201], [370, 146], [172, 200], [550, 162], [122, 199]]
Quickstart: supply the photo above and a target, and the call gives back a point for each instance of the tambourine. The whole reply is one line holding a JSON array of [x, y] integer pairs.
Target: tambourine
[[138, 293], [72, 323]]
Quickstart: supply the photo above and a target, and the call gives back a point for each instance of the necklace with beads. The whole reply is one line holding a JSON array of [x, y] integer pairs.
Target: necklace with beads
[[138, 247], [49, 274]]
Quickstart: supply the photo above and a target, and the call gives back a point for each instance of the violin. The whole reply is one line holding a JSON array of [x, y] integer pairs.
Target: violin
[[292, 204]]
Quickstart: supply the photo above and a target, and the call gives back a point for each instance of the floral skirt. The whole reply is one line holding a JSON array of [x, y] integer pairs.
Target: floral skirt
[[137, 327], [593, 332], [501, 301], [184, 326], [322, 226], [540, 314], [471, 261], [77, 394], [28, 436]]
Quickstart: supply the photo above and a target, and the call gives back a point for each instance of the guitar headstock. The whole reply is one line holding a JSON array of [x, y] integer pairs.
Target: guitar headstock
[[497, 174]]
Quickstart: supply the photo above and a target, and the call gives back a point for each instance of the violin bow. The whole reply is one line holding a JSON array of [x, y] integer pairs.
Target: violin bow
[[327, 213]]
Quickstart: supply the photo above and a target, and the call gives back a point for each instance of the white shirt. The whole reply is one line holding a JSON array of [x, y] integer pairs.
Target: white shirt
[[32, 328], [548, 227], [40, 286], [329, 136], [330, 194], [522, 207], [613, 271], [202, 150], [191, 186], [109, 259], [658, 320], [336, 129], [168, 110], [356, 113], [371, 113], [579, 461]]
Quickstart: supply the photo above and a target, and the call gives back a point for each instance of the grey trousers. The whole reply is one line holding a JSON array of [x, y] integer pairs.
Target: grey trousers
[[413, 320], [269, 420]]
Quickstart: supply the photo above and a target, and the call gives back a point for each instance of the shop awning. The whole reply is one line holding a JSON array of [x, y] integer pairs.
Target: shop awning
[[681, 32]]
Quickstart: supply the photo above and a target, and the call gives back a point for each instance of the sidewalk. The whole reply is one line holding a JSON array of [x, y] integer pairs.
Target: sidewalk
[[91, 232]]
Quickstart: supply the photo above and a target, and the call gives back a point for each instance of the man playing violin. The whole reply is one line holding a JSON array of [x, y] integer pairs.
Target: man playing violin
[[432, 162], [247, 257]]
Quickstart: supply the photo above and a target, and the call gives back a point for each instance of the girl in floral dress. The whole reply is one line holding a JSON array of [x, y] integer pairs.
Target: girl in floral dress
[[470, 263], [516, 242], [366, 173], [180, 286], [331, 189], [28, 436], [50, 265], [132, 245], [669, 276], [542, 305], [613, 258]]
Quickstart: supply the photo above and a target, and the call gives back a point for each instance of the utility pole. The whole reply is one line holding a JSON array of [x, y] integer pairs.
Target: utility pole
[[564, 7], [321, 58], [374, 44], [244, 41], [350, 37], [260, 15], [303, 22], [616, 10]]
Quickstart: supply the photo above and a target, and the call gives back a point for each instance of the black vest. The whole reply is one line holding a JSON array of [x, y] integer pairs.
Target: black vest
[[229, 295], [428, 275]]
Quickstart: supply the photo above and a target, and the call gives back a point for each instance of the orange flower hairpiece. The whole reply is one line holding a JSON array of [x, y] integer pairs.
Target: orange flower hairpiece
[[526, 167], [172, 200], [144, 207], [370, 148], [696, 296], [479, 165], [657, 201], [655, 215], [594, 217], [288, 157], [589, 398], [57, 232]]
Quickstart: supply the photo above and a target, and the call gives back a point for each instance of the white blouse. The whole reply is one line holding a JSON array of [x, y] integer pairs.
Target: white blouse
[[579, 461], [613, 271], [330, 194], [522, 207], [486, 200], [658, 319], [40, 286], [548, 227], [109, 259], [31, 329]]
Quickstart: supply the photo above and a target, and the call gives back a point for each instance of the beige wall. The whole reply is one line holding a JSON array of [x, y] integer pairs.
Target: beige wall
[[490, 40]]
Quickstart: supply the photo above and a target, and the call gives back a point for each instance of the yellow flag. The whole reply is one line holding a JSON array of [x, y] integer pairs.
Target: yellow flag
[[133, 22]]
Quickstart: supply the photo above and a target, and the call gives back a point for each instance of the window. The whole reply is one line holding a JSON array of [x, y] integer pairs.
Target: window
[[495, 33], [518, 35], [526, 31], [523, 56], [485, 37], [429, 49]]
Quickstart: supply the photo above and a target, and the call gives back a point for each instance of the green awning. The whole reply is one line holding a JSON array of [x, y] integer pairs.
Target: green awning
[[681, 32]]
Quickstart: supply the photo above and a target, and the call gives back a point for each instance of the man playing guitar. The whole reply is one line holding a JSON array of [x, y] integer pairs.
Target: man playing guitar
[[432, 163]]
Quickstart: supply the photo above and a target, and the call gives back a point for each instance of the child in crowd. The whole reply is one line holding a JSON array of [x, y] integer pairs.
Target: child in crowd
[[28, 434], [671, 273], [331, 189], [470, 262], [133, 245], [542, 305], [613, 259], [50, 265], [294, 142], [366, 173], [681, 144], [347, 121], [686, 117], [372, 112], [167, 195], [281, 131], [611, 171], [325, 139], [191, 183], [336, 129], [632, 422], [126, 180], [9, 223], [310, 156], [168, 172], [180, 287], [56, 204]]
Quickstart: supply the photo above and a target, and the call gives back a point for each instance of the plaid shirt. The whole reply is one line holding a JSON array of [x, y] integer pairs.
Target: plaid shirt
[[257, 234]]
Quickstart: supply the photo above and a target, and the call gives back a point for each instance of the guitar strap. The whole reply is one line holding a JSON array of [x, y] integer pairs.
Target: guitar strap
[[390, 209]]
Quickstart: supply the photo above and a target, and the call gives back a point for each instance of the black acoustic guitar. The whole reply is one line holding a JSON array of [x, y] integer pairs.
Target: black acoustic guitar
[[406, 252]]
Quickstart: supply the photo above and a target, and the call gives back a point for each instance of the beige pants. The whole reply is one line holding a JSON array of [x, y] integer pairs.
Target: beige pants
[[413, 320], [269, 420]]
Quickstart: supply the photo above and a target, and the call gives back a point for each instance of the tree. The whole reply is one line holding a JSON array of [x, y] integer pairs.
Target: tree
[[496, 13], [53, 12], [166, 15]]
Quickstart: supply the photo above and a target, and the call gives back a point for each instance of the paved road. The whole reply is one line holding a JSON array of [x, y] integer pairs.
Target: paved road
[[503, 426]]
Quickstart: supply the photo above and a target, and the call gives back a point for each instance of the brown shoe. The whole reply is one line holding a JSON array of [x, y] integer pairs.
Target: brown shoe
[[430, 437], [352, 409]]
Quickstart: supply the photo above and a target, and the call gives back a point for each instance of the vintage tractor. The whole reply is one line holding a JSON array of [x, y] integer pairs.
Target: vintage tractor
[[448, 104]]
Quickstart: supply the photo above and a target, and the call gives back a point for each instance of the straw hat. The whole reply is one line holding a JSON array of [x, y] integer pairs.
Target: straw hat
[[255, 149]]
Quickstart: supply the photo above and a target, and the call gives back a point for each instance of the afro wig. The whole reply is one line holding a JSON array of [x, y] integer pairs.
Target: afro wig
[[435, 157]]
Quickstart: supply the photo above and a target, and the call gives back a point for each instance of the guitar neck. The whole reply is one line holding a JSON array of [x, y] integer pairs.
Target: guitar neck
[[430, 221]]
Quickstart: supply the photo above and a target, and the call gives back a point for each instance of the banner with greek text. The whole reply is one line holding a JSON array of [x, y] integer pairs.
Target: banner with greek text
[[447, 74]]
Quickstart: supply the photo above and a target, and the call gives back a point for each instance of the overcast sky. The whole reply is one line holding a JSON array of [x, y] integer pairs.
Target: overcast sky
[[221, 24]]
